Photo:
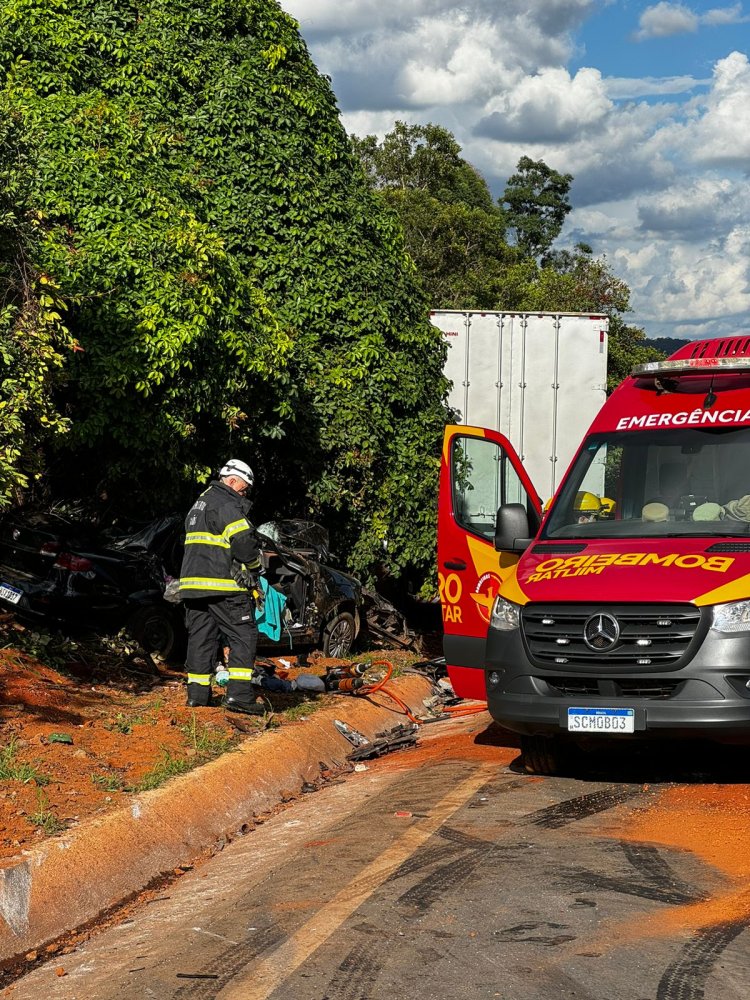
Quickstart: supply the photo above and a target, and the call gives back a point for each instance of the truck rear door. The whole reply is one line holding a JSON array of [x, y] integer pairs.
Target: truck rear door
[[479, 471]]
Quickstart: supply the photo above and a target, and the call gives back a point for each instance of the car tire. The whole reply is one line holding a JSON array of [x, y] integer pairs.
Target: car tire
[[156, 630], [339, 635], [545, 755]]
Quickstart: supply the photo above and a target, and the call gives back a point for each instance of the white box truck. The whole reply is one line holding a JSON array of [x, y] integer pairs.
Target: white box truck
[[538, 378]]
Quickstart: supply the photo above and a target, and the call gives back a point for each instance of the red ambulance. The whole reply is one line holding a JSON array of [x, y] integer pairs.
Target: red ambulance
[[624, 609]]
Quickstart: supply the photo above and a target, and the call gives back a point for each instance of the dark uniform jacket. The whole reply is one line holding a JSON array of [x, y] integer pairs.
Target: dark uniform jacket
[[219, 541]]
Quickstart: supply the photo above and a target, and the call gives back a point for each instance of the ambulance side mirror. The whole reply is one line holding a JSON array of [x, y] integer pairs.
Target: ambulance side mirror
[[512, 532]]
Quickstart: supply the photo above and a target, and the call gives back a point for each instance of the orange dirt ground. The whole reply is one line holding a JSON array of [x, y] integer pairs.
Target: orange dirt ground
[[712, 822], [130, 729]]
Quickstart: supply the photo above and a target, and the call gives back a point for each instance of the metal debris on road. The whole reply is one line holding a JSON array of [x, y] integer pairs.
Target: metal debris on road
[[354, 736], [399, 738]]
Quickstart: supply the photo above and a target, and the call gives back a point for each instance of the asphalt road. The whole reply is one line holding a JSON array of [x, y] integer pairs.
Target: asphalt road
[[444, 873]]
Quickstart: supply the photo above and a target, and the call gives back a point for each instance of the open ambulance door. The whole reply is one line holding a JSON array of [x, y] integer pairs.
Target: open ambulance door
[[479, 471]]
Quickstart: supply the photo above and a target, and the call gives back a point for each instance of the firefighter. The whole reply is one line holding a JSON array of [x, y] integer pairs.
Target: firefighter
[[586, 506], [218, 569]]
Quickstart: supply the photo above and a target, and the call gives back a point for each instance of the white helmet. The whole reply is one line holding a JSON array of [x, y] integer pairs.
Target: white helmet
[[236, 467]]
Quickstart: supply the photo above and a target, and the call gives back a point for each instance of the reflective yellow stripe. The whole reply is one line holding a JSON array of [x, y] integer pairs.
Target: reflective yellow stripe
[[207, 583], [205, 538], [240, 674], [203, 679], [235, 527]]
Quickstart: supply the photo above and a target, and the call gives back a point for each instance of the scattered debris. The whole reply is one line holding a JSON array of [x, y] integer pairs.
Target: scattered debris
[[361, 767], [60, 738], [385, 623], [434, 668], [398, 738], [354, 736]]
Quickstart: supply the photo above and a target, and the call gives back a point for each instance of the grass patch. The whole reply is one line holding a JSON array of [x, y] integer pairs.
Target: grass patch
[[108, 782], [15, 770], [120, 724], [123, 723], [164, 769], [44, 818], [296, 712], [205, 740]]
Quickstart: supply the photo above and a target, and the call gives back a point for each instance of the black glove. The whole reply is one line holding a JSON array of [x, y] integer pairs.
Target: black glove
[[245, 578]]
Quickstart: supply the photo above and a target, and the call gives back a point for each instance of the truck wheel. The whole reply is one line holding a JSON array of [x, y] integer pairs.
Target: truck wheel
[[339, 635], [544, 754]]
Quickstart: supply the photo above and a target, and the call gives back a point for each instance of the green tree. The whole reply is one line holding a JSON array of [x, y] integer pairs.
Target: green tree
[[33, 337], [536, 204], [453, 231], [422, 158], [237, 286]]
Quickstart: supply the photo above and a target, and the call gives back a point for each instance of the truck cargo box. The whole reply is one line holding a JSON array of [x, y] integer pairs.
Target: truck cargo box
[[537, 378]]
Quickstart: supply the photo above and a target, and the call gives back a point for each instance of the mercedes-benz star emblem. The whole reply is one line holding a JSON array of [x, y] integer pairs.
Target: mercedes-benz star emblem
[[601, 632]]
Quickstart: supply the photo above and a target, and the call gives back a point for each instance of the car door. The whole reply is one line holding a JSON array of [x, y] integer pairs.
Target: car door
[[479, 471]]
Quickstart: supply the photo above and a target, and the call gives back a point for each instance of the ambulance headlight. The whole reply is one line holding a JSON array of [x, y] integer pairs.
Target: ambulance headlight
[[505, 616], [734, 617]]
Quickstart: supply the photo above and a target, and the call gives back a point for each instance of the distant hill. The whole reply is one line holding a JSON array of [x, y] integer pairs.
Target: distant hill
[[668, 345]]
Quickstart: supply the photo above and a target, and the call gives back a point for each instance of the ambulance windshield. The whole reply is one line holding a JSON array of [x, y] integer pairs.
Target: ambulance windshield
[[656, 483]]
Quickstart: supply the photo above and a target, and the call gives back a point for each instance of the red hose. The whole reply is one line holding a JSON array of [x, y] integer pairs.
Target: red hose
[[455, 711]]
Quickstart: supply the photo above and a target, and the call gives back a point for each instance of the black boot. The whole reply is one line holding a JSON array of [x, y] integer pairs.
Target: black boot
[[198, 695], [247, 708]]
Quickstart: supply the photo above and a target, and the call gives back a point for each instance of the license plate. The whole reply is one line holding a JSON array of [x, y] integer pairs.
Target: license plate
[[601, 720], [8, 593]]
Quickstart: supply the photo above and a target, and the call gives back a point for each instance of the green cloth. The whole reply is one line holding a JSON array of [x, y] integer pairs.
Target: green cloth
[[268, 618]]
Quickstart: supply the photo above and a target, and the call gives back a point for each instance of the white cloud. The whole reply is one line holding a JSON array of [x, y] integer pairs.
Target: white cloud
[[624, 88], [658, 161], [548, 107], [725, 15], [712, 281], [715, 130], [424, 52], [665, 19], [346, 17], [705, 205]]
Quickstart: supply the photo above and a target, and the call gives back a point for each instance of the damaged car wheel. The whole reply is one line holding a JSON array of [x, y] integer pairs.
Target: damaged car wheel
[[339, 635], [156, 631]]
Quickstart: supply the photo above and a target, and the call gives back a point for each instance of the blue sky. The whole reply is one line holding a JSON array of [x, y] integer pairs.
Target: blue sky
[[646, 104], [608, 39]]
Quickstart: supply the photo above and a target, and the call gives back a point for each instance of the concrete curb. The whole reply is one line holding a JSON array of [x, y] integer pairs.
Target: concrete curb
[[69, 880]]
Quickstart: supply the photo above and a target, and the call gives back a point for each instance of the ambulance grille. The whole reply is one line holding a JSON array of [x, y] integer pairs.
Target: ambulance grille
[[622, 687], [650, 636]]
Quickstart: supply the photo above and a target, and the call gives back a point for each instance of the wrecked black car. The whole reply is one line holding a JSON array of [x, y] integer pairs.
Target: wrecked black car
[[324, 606], [64, 572]]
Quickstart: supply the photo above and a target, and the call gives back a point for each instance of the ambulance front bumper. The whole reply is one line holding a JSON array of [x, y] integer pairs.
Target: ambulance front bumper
[[707, 697]]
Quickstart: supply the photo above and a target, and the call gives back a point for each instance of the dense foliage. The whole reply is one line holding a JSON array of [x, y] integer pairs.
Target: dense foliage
[[33, 338], [233, 282]]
